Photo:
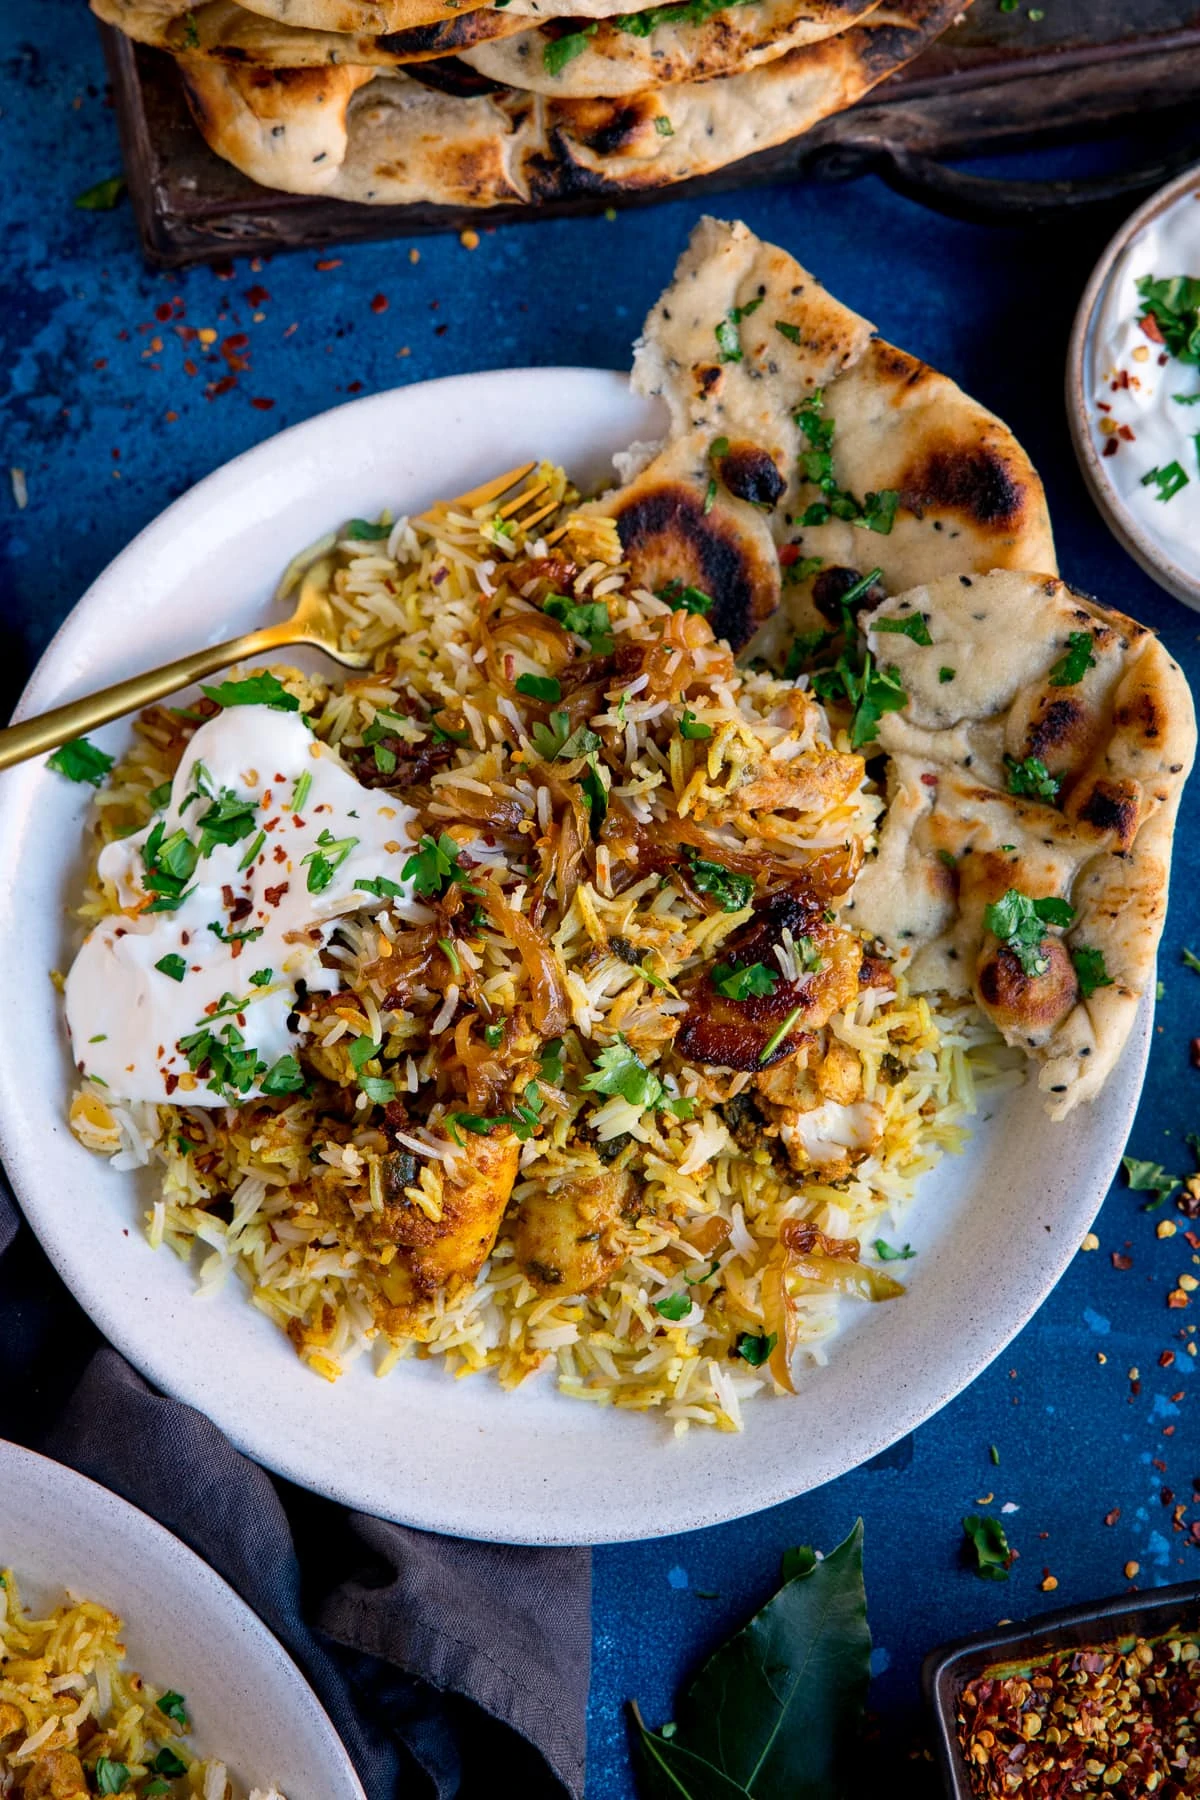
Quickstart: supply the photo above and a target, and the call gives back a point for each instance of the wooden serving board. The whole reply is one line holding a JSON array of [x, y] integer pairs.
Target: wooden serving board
[[996, 80]]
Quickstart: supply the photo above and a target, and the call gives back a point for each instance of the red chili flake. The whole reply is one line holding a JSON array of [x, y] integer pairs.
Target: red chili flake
[[1160, 1466], [170, 1082], [257, 295], [1166, 1495], [1121, 1262], [172, 418], [1194, 1053], [1177, 1299], [274, 895], [354, 387], [262, 404], [1104, 406], [1110, 1518], [1168, 1431], [1124, 431], [929, 780], [189, 367], [223, 386], [163, 312], [1163, 360], [290, 329], [1166, 1358], [1194, 1528], [1135, 1387], [1122, 380], [789, 554], [1110, 447], [1152, 328], [237, 340], [328, 262], [440, 330], [1176, 1398], [101, 362], [379, 304], [116, 456], [1191, 1238], [187, 334]]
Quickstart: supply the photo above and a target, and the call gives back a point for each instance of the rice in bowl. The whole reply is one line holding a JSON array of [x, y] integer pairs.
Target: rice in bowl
[[604, 1084]]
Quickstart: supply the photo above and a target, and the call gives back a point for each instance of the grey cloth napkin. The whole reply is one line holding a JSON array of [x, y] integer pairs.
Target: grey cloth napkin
[[449, 1668]]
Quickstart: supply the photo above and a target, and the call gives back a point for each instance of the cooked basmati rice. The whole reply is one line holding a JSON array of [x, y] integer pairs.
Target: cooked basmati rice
[[697, 1297]]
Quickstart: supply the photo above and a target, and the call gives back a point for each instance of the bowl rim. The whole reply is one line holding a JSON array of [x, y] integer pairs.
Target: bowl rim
[[947, 1668], [1157, 563]]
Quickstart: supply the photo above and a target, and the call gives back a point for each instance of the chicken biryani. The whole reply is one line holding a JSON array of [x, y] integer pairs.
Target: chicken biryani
[[495, 1004], [75, 1720]]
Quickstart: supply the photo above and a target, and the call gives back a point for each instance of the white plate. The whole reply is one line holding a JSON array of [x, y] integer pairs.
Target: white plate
[[995, 1227], [184, 1628]]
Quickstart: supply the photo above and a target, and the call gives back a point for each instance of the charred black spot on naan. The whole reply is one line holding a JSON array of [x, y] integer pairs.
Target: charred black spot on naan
[[666, 535], [977, 482], [830, 587], [750, 474], [1112, 808]]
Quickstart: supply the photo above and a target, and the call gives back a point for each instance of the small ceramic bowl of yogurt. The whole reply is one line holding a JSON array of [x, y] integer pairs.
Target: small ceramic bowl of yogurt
[[1133, 386]]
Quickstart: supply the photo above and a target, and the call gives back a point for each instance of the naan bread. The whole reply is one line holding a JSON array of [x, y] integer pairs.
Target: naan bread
[[228, 32], [1119, 740], [969, 499], [382, 138], [373, 17], [615, 60]]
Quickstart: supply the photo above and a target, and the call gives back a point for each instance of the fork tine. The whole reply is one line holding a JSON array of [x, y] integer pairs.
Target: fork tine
[[488, 490]]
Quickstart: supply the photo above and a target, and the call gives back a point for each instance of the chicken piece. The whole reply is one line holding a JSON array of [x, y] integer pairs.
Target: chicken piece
[[56, 1776], [816, 1107], [442, 1255], [749, 1034], [820, 778], [567, 1239]]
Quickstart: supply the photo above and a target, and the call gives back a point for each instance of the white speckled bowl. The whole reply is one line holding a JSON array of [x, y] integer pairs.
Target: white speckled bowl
[[184, 1628], [1157, 562], [995, 1227]]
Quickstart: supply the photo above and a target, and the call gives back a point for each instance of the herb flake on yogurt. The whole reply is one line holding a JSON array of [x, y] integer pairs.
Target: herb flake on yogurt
[[1146, 380]]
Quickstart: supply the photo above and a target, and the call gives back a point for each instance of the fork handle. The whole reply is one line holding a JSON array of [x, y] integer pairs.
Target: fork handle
[[50, 729]]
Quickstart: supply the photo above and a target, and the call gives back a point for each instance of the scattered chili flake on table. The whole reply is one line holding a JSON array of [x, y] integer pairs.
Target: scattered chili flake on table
[[379, 304], [1118, 1720]]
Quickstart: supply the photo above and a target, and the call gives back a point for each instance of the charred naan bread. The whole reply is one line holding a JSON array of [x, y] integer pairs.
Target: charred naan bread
[[227, 32], [1041, 753], [375, 16], [619, 57], [771, 383], [383, 138]]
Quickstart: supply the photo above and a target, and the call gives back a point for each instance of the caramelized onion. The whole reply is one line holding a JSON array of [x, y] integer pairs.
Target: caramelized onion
[[779, 1320], [481, 809], [550, 1011]]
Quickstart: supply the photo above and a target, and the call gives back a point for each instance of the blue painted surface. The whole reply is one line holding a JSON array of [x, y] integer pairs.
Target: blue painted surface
[[108, 425]]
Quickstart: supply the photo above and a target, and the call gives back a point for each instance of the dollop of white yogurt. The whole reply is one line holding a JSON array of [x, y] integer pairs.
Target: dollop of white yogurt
[[1143, 418], [229, 896]]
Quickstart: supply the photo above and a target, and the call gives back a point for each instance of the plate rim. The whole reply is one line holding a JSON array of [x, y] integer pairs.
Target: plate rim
[[695, 1511], [194, 1570]]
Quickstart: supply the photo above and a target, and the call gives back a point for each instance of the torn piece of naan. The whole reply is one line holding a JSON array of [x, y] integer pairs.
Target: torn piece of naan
[[1041, 752], [794, 426]]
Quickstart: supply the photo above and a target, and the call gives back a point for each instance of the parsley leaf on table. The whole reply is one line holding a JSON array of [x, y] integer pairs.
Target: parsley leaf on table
[[987, 1544]]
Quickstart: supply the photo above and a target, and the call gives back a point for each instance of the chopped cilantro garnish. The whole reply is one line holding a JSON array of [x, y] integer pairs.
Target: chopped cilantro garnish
[[754, 1348], [988, 1546], [1017, 921], [587, 618], [253, 850], [1075, 664], [692, 727], [876, 513], [803, 568], [159, 796], [380, 886], [261, 978], [172, 965], [434, 865], [1174, 305], [103, 197], [681, 598], [1148, 1177], [363, 531], [805, 648], [111, 1777], [235, 937], [729, 889], [169, 863], [729, 338], [362, 1051], [699, 1280], [790, 332], [945, 675], [167, 1763], [81, 761], [619, 1071], [915, 626], [493, 1035], [233, 1066], [710, 495], [1030, 776], [888, 1252], [301, 790], [256, 690], [1170, 480], [663, 126], [869, 692], [325, 861], [1090, 970], [741, 984], [563, 50], [377, 1089], [776, 1038], [551, 1069], [539, 687], [283, 1077], [674, 1307], [227, 821]]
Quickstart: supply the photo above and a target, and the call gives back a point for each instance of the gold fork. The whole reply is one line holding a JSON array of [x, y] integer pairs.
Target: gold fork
[[312, 623]]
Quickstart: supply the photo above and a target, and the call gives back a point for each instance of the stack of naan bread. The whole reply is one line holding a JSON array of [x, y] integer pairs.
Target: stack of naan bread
[[443, 101], [856, 518]]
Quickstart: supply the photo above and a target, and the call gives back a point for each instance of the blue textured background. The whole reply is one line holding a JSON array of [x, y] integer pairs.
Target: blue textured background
[[108, 425]]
